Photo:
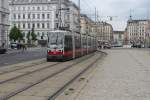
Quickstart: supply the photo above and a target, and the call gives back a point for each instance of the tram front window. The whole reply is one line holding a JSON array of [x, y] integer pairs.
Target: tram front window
[[56, 41]]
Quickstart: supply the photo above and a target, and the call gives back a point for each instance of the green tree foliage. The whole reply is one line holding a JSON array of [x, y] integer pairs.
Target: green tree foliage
[[15, 34], [33, 35], [29, 37]]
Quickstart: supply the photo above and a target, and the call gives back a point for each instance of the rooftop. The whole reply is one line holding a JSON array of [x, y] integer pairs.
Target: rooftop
[[34, 1]]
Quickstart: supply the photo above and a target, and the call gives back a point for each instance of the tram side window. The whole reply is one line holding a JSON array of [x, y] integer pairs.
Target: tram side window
[[89, 42], [84, 43], [68, 43], [77, 43]]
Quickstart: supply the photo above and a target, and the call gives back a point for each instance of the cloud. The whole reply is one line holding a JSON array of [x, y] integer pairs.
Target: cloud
[[119, 8]]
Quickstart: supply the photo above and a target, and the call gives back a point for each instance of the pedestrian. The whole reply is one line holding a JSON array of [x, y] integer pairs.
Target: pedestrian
[[24, 48], [3, 45]]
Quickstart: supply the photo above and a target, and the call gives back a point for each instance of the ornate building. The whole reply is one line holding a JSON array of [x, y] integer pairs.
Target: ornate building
[[4, 13], [105, 32], [137, 31], [44, 16]]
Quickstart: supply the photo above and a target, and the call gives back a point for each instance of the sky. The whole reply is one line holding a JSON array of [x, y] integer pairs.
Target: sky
[[119, 9]]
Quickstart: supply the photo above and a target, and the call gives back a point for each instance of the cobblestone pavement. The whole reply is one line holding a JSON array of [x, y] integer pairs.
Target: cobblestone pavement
[[122, 75]]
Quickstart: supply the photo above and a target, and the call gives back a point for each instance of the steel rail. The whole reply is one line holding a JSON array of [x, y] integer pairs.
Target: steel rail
[[61, 90], [19, 76], [21, 68], [14, 93]]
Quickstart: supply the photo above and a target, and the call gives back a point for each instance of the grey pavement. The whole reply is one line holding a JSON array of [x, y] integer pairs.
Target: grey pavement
[[123, 75], [18, 56]]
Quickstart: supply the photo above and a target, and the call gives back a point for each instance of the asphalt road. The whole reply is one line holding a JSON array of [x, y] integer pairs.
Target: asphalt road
[[13, 57]]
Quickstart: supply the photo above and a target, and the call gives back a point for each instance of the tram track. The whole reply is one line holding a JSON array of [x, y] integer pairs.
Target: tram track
[[61, 90], [21, 67], [19, 76], [38, 81]]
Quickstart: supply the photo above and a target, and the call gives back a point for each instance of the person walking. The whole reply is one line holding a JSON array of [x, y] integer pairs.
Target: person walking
[[24, 47]]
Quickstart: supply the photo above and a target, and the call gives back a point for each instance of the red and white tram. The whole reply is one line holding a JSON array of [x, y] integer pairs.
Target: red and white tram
[[65, 45]]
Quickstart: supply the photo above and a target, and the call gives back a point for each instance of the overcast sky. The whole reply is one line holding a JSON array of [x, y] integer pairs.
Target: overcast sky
[[120, 9]]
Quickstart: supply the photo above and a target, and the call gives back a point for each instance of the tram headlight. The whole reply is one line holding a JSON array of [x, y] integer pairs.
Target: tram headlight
[[48, 50]]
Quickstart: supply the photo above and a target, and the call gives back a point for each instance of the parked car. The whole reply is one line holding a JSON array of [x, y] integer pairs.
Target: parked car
[[14, 45], [3, 50]]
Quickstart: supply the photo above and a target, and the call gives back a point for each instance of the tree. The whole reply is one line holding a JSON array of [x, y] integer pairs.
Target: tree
[[20, 35], [15, 34], [23, 35], [33, 35], [29, 37]]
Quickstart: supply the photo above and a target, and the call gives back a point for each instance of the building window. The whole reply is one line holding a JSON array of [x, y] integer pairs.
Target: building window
[[33, 25], [24, 26], [33, 16], [19, 16], [38, 8], [38, 25], [43, 16], [23, 16], [19, 26], [14, 16], [29, 25], [42, 37], [43, 25], [24, 8], [48, 16], [56, 25], [29, 16], [57, 15], [48, 26], [38, 16]]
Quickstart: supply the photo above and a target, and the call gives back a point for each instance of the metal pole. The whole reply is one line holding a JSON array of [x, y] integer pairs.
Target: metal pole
[[95, 15], [59, 10], [79, 15]]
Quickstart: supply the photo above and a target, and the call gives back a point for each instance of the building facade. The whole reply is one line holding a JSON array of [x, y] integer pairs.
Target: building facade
[[137, 31], [105, 32], [4, 16], [87, 25], [44, 16]]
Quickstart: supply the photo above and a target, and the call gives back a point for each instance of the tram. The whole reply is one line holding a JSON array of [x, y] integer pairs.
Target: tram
[[65, 45]]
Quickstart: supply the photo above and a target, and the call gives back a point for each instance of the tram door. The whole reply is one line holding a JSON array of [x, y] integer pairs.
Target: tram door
[[68, 49]]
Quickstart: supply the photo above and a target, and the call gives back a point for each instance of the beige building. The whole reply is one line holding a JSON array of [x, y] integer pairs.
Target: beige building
[[138, 31], [4, 13], [87, 25], [104, 32]]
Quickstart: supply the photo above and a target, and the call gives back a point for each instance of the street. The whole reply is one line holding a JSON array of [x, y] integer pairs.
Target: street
[[14, 56], [122, 75]]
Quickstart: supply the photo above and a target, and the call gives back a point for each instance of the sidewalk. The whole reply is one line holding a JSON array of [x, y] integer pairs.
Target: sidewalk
[[28, 49], [123, 75]]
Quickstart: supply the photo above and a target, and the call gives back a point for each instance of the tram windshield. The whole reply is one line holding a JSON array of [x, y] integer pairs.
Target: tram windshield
[[56, 40]]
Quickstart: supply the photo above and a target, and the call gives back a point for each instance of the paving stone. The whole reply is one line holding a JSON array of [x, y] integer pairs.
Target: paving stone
[[120, 77]]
